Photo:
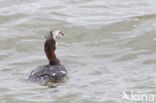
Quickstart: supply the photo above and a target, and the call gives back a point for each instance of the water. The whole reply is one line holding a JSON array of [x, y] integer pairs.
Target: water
[[109, 48]]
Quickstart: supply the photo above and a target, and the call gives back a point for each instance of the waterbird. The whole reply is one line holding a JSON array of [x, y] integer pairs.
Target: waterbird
[[54, 71]]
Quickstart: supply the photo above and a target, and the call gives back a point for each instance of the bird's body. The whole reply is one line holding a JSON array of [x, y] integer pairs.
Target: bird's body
[[54, 71], [48, 73]]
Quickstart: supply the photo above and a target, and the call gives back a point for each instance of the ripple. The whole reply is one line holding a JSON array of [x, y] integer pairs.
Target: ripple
[[108, 48]]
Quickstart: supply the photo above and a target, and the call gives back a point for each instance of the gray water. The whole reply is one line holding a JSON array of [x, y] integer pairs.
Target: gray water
[[109, 49]]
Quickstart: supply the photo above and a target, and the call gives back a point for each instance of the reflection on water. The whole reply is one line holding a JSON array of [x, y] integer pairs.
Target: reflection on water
[[109, 47]]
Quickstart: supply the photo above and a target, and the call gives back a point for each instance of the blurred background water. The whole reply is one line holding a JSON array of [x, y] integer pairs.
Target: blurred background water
[[109, 48]]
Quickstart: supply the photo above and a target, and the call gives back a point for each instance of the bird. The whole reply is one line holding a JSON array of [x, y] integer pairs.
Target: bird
[[54, 71]]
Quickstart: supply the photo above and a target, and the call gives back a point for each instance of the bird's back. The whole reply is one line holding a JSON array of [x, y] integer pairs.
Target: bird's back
[[48, 73]]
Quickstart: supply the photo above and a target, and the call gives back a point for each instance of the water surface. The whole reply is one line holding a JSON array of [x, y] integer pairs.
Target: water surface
[[109, 48]]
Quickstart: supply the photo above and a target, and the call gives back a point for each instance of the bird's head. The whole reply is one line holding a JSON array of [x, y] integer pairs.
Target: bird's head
[[54, 35]]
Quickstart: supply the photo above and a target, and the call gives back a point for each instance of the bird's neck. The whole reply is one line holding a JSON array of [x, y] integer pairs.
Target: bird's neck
[[50, 46], [53, 60]]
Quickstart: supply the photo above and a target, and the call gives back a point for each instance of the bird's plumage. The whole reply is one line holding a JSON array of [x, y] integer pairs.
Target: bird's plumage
[[54, 71], [48, 73]]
